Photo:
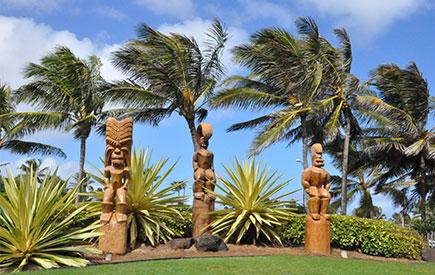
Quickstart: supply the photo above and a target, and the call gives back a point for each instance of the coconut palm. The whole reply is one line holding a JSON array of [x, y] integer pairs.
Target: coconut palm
[[340, 104], [308, 80], [359, 185], [167, 74], [64, 90], [180, 185], [399, 141], [404, 197], [12, 129], [285, 80], [400, 219]]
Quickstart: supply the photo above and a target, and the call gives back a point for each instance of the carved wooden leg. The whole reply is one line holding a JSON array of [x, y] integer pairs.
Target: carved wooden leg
[[106, 212], [324, 203], [313, 207]]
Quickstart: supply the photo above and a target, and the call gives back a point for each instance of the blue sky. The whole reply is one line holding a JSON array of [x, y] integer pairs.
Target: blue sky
[[382, 31]]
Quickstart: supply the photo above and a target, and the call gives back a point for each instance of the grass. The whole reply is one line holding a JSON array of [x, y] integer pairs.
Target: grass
[[253, 265]]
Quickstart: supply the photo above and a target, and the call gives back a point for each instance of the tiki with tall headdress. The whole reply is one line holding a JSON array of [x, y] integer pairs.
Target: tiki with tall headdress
[[116, 179], [205, 179]]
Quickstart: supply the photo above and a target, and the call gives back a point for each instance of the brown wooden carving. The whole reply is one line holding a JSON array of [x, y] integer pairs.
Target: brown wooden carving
[[116, 178], [205, 179], [316, 182]]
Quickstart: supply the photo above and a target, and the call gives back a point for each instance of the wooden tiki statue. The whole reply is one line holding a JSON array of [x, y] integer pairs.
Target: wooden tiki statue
[[316, 182], [116, 179], [205, 179]]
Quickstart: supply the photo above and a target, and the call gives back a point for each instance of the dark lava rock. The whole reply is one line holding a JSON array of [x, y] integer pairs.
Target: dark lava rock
[[183, 243], [210, 243], [428, 254]]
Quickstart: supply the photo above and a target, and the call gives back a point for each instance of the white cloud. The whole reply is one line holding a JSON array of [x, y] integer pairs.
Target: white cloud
[[22, 41], [177, 8], [261, 9], [66, 169], [198, 28], [112, 13], [367, 17], [40, 5]]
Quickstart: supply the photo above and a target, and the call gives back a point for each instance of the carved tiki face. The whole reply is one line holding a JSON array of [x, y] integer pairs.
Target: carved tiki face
[[118, 142], [203, 134], [316, 155]]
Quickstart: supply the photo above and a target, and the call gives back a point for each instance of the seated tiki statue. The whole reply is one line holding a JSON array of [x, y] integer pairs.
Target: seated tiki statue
[[315, 181], [117, 169], [203, 167], [203, 201]]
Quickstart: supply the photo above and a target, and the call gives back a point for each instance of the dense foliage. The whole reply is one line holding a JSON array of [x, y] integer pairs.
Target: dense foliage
[[14, 128], [368, 236], [168, 74], [252, 206], [149, 204], [181, 227], [36, 224]]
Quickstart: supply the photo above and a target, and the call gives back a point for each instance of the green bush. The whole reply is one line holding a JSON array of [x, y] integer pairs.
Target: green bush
[[181, 227], [368, 236], [424, 226]]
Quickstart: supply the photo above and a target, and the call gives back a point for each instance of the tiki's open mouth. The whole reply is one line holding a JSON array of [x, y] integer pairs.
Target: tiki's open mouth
[[319, 162]]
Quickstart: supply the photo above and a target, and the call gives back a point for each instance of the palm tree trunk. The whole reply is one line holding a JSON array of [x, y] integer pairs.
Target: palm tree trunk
[[304, 156], [192, 129], [82, 164], [345, 166], [402, 218], [304, 143], [423, 183]]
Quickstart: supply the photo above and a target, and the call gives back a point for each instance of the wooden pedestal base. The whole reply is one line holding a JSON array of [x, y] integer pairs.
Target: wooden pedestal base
[[317, 236], [200, 217], [114, 238]]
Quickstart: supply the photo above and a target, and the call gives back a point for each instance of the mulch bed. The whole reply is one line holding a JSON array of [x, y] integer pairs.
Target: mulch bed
[[144, 253]]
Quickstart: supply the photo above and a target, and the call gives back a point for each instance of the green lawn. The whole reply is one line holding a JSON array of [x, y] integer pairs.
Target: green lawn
[[254, 265]]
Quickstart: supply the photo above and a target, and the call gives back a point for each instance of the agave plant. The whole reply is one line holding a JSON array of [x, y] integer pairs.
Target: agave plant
[[36, 224], [148, 203], [252, 206]]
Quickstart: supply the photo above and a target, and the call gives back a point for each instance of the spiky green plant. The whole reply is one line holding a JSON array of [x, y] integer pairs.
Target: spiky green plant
[[36, 224], [149, 204], [252, 205]]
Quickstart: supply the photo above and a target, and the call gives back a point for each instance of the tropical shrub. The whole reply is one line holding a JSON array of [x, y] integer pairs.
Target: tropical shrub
[[149, 204], [252, 206], [424, 226], [35, 224], [181, 227], [368, 236]]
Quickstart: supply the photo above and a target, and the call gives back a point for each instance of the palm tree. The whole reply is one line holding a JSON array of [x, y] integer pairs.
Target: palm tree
[[400, 219], [404, 197], [180, 185], [34, 165], [286, 77], [359, 185], [307, 79], [340, 104], [12, 129], [399, 141], [66, 90], [167, 74]]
